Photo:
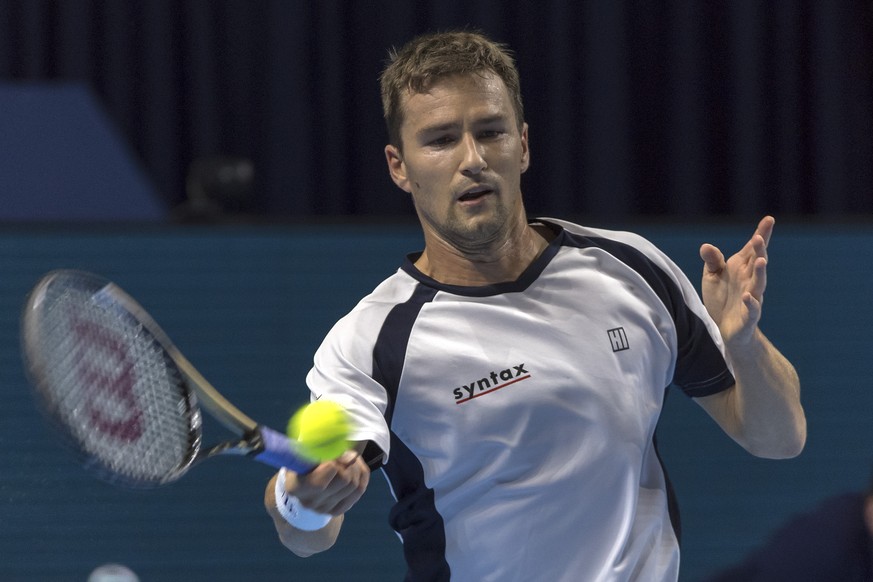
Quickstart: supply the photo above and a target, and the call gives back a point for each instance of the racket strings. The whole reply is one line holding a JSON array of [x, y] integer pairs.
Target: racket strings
[[114, 389]]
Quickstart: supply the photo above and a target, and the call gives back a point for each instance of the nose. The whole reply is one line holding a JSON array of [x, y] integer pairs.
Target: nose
[[474, 161]]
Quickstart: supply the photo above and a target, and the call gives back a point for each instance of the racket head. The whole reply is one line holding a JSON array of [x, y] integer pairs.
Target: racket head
[[102, 375]]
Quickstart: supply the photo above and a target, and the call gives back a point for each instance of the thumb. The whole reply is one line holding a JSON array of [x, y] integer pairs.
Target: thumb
[[753, 305]]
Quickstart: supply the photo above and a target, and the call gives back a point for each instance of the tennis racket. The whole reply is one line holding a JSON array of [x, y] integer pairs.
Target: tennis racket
[[121, 393]]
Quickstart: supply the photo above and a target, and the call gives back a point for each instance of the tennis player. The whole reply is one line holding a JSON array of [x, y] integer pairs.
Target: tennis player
[[508, 378]]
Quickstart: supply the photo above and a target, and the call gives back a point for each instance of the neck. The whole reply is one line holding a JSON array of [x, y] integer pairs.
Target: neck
[[499, 263]]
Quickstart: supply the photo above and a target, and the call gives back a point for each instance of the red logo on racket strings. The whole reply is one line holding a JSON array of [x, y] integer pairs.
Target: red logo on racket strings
[[109, 398]]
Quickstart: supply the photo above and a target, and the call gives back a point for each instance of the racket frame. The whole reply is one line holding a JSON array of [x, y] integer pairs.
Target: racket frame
[[256, 441]]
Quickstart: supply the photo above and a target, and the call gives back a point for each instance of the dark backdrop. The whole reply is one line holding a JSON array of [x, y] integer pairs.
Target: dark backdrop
[[673, 108]]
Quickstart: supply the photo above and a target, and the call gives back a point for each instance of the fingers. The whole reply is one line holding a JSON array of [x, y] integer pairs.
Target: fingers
[[713, 259], [343, 492], [757, 259], [353, 491], [759, 279], [765, 229], [759, 242], [756, 248], [333, 487]]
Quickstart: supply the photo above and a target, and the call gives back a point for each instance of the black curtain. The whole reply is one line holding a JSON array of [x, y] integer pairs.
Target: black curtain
[[636, 108]]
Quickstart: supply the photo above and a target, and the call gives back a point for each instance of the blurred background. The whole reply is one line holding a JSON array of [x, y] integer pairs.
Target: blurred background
[[655, 109], [222, 160]]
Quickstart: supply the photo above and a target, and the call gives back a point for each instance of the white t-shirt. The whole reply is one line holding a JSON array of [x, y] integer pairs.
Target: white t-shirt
[[517, 419]]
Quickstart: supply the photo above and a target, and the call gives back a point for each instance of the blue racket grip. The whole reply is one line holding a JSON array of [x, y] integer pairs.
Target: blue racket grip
[[279, 452]]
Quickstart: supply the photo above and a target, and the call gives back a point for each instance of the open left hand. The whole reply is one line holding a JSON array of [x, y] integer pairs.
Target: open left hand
[[733, 290]]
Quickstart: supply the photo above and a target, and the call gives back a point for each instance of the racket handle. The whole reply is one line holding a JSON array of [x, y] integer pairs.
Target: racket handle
[[279, 452]]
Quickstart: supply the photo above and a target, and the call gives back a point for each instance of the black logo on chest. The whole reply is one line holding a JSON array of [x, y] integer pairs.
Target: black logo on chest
[[490, 383], [618, 339]]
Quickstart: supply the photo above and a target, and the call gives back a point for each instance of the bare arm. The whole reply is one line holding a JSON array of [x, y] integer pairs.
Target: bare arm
[[332, 488], [762, 412]]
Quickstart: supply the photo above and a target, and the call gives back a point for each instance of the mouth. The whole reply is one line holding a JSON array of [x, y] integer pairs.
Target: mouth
[[474, 194]]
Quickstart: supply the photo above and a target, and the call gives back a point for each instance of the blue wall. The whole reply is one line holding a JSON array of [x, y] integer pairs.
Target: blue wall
[[248, 306], [64, 160]]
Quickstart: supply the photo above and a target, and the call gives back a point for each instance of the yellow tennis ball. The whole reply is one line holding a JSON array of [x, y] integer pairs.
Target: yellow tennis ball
[[321, 430]]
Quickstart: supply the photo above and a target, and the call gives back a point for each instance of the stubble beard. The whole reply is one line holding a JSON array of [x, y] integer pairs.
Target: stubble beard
[[477, 235]]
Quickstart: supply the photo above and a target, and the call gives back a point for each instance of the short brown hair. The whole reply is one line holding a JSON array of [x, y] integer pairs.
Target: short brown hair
[[428, 58]]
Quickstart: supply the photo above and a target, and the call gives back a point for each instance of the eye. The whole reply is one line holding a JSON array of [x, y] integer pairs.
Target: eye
[[440, 141], [490, 133]]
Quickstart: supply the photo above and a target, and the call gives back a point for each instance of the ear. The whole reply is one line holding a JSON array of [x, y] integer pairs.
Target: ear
[[525, 152], [397, 168]]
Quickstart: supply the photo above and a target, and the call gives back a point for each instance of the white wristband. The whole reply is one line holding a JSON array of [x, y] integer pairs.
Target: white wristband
[[294, 513]]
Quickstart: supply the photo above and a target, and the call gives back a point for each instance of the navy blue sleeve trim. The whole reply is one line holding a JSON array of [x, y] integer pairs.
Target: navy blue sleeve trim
[[414, 516], [389, 353], [701, 370]]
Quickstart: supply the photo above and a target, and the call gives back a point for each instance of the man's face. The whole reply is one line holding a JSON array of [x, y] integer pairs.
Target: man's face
[[462, 160]]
